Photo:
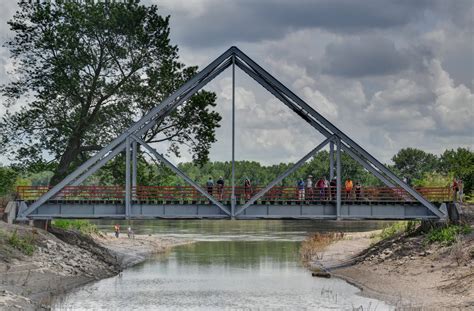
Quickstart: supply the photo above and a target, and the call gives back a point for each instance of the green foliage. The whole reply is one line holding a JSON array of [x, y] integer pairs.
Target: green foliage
[[7, 180], [93, 68], [434, 179], [398, 228], [82, 226], [25, 245], [459, 163], [447, 235], [414, 163]]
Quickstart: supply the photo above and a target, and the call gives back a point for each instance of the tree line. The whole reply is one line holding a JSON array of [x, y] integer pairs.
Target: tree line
[[424, 169]]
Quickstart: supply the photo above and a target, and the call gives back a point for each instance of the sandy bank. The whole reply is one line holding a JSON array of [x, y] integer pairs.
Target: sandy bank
[[60, 264], [404, 271]]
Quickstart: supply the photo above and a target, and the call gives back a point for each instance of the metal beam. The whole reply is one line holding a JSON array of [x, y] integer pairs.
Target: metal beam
[[233, 199], [331, 160], [367, 165], [338, 178], [282, 176], [134, 163], [336, 131], [99, 164], [128, 177], [181, 174]]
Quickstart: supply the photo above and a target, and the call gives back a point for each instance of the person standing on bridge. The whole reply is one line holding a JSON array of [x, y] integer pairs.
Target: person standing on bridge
[[325, 188], [320, 186], [247, 189], [220, 187], [309, 187], [300, 186], [348, 185], [210, 185], [357, 190]]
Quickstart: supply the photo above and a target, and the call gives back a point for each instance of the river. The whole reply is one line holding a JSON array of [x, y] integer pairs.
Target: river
[[233, 265]]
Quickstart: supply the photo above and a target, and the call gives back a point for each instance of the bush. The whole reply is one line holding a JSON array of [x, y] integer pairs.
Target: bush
[[25, 245], [82, 226], [447, 235]]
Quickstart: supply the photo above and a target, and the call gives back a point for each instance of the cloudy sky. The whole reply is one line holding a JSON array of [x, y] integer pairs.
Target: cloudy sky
[[390, 74]]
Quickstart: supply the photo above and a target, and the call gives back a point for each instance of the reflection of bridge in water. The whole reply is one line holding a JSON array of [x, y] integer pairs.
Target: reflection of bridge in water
[[70, 200], [278, 202]]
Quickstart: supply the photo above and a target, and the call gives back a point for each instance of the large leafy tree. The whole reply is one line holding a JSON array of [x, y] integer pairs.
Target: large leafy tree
[[414, 163], [460, 163], [84, 72]]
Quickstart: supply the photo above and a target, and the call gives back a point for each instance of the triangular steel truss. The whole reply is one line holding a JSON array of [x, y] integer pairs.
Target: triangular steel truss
[[235, 57]]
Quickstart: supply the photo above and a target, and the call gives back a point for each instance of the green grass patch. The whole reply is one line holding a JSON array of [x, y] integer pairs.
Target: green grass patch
[[398, 228], [447, 235], [82, 226], [23, 244]]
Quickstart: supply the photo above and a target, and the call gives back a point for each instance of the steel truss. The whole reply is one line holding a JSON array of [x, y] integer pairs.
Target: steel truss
[[130, 140]]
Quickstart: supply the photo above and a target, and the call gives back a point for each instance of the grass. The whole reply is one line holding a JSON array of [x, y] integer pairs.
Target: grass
[[447, 235], [313, 246], [82, 226], [398, 228], [24, 245]]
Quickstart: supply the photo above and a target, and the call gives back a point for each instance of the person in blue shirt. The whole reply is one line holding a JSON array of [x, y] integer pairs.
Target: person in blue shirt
[[301, 189]]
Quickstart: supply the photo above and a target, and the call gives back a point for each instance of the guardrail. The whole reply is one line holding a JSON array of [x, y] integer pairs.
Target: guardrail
[[276, 194]]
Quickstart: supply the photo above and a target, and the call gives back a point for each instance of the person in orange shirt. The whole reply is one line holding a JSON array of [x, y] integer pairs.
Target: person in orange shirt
[[349, 185]]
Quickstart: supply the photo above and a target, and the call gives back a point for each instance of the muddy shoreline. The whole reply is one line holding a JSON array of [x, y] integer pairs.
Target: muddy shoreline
[[403, 271], [64, 261]]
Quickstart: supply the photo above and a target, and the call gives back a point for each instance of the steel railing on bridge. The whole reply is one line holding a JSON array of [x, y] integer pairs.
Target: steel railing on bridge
[[278, 194]]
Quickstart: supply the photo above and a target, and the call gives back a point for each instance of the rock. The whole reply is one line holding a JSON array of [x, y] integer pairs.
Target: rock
[[321, 274]]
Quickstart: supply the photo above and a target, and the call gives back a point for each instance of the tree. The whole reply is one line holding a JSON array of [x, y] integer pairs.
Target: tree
[[413, 163], [85, 72], [459, 163]]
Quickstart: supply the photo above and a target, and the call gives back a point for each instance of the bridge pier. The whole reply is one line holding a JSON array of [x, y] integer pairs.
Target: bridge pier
[[39, 223]]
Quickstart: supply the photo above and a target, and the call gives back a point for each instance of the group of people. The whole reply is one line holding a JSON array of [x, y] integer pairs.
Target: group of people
[[324, 189], [220, 187], [130, 233]]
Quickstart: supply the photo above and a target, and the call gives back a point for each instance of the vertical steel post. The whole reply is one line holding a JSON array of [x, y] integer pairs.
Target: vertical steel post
[[331, 160], [134, 163], [338, 178], [233, 200], [128, 184]]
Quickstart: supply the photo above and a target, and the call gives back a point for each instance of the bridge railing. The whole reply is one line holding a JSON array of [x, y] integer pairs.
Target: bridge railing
[[276, 194]]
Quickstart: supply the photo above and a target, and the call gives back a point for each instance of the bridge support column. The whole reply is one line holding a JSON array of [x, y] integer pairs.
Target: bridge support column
[[331, 160], [128, 184], [338, 178], [134, 163], [232, 199]]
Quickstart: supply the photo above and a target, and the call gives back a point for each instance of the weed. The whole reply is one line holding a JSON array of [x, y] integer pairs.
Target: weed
[[447, 235], [25, 245], [82, 226], [312, 247]]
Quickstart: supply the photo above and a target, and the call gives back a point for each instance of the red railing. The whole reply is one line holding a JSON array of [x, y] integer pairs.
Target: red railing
[[276, 194]]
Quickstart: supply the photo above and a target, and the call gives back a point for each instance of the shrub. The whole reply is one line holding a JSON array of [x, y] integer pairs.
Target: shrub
[[447, 235], [82, 226], [312, 247], [25, 245]]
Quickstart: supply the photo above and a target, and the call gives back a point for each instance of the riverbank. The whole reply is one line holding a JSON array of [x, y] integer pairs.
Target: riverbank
[[35, 264], [404, 270]]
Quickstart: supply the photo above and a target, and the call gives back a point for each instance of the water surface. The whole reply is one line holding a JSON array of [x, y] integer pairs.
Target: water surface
[[234, 265]]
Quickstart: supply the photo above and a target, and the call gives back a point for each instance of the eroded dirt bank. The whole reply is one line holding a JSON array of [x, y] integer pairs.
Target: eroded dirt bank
[[62, 262], [404, 270]]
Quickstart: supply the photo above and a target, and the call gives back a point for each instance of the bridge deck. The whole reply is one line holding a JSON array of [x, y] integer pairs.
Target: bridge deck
[[186, 202]]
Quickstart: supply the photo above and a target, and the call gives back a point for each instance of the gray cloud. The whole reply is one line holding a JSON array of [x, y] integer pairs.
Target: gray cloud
[[367, 56], [226, 22]]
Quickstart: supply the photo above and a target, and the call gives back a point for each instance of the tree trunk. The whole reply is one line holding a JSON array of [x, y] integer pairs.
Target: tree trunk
[[69, 156]]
